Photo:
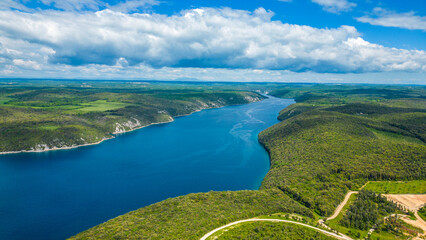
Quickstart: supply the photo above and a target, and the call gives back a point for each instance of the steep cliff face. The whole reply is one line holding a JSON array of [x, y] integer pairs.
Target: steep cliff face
[[127, 126]]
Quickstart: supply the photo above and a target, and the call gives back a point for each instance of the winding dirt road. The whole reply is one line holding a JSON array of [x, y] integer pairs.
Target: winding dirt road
[[337, 212], [341, 205], [276, 220]]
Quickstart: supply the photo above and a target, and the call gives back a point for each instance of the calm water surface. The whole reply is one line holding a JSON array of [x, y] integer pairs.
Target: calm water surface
[[54, 195]]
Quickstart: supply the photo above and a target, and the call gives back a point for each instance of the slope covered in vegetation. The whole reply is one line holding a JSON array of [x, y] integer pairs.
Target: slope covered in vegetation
[[334, 140], [277, 231], [39, 116], [193, 215]]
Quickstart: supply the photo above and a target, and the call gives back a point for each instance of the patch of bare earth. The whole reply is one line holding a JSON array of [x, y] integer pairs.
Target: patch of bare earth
[[413, 202]]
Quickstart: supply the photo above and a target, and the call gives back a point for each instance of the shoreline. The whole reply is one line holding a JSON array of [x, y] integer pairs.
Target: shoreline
[[116, 134], [87, 144]]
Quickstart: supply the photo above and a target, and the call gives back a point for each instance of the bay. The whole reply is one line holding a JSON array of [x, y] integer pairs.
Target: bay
[[57, 194]]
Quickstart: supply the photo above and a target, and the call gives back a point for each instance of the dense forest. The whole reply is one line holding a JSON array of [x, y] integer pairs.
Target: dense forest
[[368, 208], [333, 140]]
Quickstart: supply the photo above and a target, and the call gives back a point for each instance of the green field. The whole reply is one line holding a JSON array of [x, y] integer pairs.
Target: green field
[[101, 106], [398, 187]]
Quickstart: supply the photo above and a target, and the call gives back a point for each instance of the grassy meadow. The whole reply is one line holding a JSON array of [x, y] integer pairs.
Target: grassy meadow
[[398, 187]]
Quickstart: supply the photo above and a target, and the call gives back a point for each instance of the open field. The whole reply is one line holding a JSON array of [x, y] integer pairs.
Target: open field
[[101, 106], [412, 201], [398, 187]]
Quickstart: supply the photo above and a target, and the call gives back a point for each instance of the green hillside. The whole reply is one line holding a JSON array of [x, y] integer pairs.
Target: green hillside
[[277, 231], [193, 215], [333, 141], [41, 115], [335, 138]]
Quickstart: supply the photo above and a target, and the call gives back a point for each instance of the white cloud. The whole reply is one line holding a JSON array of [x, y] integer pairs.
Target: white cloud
[[8, 69], [335, 6], [199, 38], [386, 18], [27, 64]]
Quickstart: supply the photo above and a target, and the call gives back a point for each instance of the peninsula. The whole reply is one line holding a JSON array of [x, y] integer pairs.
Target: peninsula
[[37, 116]]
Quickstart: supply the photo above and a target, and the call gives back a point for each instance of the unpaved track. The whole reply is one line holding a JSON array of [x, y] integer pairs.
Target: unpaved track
[[337, 212], [276, 220], [413, 202], [419, 222], [341, 205]]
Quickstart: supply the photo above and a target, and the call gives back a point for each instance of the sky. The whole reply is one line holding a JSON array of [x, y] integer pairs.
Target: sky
[[334, 41]]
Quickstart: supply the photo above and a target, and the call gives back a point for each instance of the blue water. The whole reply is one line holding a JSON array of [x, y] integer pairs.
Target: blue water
[[54, 195]]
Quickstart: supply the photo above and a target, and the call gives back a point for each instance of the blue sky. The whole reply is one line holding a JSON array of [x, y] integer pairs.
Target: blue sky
[[270, 40]]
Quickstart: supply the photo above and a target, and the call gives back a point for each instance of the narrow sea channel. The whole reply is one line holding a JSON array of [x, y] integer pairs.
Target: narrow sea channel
[[57, 194]]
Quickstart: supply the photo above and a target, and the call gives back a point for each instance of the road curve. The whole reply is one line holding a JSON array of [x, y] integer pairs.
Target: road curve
[[276, 220], [341, 205]]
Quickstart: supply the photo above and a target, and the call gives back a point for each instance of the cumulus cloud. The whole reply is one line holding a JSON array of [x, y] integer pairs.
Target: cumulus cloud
[[382, 17], [198, 38], [27, 64], [335, 6]]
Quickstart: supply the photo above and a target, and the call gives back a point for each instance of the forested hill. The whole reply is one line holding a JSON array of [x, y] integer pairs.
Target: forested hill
[[337, 138], [333, 139], [43, 115]]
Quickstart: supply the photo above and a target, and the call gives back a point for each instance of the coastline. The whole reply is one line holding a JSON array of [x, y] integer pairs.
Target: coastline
[[87, 144], [114, 135]]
